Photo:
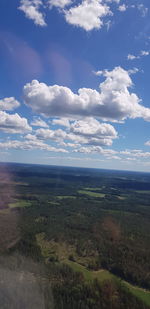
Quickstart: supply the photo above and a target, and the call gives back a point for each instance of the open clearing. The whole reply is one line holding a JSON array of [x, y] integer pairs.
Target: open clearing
[[140, 293], [93, 189], [89, 275], [20, 203], [142, 191], [53, 203], [103, 275], [90, 193], [60, 197], [122, 198]]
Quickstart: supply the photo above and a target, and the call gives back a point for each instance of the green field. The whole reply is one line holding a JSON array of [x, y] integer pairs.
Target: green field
[[61, 197], [20, 203], [53, 203], [89, 275], [93, 189], [79, 268], [142, 191], [139, 293], [103, 275], [90, 193], [122, 198]]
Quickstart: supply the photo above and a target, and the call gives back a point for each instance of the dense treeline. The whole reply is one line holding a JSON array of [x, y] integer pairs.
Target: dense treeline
[[57, 286], [94, 296], [119, 243], [109, 230]]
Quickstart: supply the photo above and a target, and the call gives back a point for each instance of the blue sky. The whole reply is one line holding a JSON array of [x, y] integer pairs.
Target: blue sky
[[74, 83]]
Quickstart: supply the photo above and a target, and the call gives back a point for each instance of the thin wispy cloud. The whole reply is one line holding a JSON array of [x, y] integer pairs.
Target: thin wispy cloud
[[142, 53]]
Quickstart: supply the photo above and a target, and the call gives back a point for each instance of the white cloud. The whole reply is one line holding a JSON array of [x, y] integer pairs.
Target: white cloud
[[147, 143], [133, 71], [132, 57], [31, 137], [88, 132], [136, 153], [98, 73], [29, 145], [115, 158], [38, 122], [94, 132], [13, 123], [31, 9], [9, 104], [75, 159], [108, 24], [72, 145], [145, 53], [114, 102], [88, 15], [56, 135], [64, 122], [142, 9], [141, 54], [110, 1], [59, 3], [91, 128], [96, 149], [122, 8], [130, 159], [125, 156]]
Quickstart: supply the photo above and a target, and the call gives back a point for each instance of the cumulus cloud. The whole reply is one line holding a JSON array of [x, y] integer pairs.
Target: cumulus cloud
[[88, 15], [128, 155], [31, 8], [136, 153], [29, 145], [13, 123], [114, 101], [91, 127], [56, 135], [122, 8], [31, 137], [88, 131], [59, 3], [94, 132], [8, 104], [38, 122], [96, 149], [64, 122]]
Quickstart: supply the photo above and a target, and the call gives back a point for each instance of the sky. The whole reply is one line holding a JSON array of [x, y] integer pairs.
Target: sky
[[75, 83]]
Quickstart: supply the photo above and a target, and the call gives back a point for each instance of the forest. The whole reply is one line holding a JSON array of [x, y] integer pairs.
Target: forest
[[79, 237]]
